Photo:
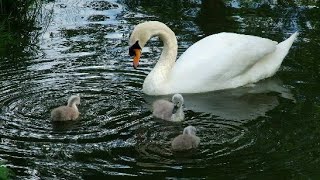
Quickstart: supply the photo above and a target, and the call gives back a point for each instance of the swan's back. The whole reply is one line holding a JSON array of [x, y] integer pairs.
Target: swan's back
[[64, 113], [185, 142], [162, 109], [216, 59]]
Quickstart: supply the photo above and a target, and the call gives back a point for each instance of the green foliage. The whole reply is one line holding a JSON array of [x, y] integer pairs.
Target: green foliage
[[6, 38], [5, 173], [17, 17]]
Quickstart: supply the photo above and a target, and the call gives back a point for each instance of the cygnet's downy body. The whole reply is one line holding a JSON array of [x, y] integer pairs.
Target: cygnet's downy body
[[67, 113], [170, 111], [186, 141]]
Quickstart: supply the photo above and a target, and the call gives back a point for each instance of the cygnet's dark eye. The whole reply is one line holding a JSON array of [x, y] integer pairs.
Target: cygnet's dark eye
[[134, 46]]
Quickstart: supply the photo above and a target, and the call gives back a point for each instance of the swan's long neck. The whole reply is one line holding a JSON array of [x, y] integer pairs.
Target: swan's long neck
[[157, 80], [74, 106], [72, 102], [169, 52]]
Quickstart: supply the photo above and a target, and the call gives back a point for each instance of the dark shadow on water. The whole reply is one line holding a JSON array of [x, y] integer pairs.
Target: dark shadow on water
[[185, 156], [166, 122], [61, 126], [214, 17]]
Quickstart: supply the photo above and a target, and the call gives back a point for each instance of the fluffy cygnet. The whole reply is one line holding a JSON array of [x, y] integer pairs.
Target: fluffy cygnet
[[170, 111], [186, 141], [69, 112]]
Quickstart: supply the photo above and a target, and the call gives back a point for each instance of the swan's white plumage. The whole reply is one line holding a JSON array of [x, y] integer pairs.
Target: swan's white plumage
[[216, 60], [219, 61]]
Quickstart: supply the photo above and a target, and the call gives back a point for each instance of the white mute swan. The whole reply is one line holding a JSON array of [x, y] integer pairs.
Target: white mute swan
[[219, 61], [69, 112], [186, 141], [170, 111]]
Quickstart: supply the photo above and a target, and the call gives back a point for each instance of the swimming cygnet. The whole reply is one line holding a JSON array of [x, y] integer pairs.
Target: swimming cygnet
[[170, 111], [69, 112], [186, 141]]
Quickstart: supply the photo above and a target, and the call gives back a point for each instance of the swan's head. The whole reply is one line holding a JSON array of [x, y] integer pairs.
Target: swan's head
[[140, 36], [190, 130], [74, 99], [177, 100]]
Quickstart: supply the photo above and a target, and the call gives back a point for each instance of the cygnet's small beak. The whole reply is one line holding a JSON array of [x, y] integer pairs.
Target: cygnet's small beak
[[175, 108], [136, 58]]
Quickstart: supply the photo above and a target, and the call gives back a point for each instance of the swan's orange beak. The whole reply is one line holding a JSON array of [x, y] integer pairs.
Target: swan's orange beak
[[136, 58]]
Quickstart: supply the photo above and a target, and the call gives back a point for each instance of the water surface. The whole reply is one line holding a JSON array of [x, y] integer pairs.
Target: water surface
[[270, 130]]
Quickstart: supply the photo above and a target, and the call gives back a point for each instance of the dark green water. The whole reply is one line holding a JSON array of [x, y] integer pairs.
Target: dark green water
[[270, 131]]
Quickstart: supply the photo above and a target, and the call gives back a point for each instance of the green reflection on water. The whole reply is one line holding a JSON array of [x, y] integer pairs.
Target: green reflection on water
[[17, 21]]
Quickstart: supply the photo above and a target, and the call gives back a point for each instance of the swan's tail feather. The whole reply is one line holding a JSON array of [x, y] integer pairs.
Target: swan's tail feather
[[286, 44], [283, 49], [280, 53], [272, 62]]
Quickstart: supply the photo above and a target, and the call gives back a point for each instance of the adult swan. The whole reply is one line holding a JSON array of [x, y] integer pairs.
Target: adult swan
[[219, 61]]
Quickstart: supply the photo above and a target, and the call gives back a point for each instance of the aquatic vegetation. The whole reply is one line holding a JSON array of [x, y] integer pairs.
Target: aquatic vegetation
[[5, 172], [17, 18]]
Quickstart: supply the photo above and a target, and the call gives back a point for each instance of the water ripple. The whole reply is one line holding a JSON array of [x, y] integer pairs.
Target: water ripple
[[84, 51]]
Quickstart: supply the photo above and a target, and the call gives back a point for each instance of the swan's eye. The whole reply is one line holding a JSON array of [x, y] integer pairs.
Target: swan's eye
[[133, 47]]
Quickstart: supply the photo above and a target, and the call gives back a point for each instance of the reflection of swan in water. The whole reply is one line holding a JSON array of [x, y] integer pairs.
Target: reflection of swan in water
[[242, 103]]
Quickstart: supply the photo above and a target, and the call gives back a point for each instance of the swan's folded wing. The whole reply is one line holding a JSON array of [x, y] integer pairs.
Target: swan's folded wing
[[219, 58]]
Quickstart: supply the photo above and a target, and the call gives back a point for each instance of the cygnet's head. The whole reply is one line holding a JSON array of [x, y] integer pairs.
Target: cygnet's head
[[74, 99], [190, 130], [177, 100]]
